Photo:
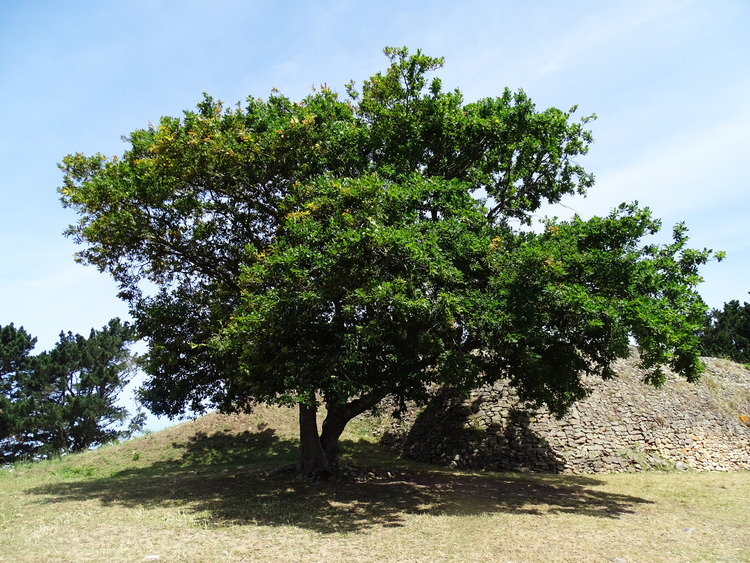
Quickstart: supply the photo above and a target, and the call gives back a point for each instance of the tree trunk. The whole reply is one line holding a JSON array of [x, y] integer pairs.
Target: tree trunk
[[338, 417], [333, 426], [319, 452], [313, 460]]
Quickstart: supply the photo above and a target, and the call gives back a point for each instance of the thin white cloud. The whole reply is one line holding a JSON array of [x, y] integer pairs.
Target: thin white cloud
[[595, 34], [685, 174]]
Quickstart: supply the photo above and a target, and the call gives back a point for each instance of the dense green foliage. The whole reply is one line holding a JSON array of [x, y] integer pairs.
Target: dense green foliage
[[15, 346], [727, 332], [63, 400], [341, 250]]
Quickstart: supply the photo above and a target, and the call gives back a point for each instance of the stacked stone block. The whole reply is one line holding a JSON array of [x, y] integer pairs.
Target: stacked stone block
[[624, 425]]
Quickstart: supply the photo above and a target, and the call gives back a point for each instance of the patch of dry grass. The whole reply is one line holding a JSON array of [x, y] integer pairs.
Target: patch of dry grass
[[206, 491]]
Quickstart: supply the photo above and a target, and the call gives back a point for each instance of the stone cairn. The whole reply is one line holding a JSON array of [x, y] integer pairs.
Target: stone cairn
[[624, 425]]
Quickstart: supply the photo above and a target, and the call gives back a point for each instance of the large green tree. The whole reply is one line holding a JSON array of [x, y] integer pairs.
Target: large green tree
[[726, 333], [15, 348], [334, 251], [64, 400]]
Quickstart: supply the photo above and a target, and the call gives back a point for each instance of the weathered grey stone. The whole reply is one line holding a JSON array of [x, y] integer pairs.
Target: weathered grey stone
[[623, 425]]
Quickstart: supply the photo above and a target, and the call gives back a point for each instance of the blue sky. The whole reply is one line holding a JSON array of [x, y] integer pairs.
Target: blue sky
[[669, 81]]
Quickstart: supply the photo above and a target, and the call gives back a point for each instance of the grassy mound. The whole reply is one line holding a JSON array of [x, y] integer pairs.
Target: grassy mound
[[207, 491]]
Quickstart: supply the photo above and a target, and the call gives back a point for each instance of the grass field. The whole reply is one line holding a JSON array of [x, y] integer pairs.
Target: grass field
[[207, 491]]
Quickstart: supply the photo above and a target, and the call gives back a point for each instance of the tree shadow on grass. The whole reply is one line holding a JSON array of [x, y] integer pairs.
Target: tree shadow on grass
[[228, 480], [245, 448]]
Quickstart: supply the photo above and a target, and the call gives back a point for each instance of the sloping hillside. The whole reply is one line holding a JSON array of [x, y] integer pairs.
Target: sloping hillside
[[207, 490]]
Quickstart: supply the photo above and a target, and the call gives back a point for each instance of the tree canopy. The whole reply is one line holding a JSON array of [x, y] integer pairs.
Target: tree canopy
[[726, 333], [63, 400], [338, 250]]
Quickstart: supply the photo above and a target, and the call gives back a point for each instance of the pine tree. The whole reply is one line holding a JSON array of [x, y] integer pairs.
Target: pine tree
[[64, 400]]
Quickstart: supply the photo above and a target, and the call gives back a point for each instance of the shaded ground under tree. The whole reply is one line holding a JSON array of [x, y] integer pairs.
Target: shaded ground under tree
[[209, 483]]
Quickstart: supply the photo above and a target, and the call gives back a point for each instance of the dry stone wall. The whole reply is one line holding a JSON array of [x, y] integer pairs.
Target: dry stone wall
[[624, 425]]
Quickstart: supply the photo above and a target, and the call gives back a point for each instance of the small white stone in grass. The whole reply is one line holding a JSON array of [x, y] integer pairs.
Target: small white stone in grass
[[151, 558]]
